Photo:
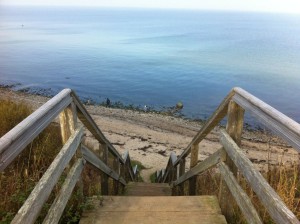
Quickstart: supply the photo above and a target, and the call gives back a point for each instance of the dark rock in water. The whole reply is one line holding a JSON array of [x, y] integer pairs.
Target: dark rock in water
[[179, 105]]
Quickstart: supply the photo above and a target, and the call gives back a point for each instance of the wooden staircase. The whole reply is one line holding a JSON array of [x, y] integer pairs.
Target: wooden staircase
[[153, 203], [145, 202], [147, 189]]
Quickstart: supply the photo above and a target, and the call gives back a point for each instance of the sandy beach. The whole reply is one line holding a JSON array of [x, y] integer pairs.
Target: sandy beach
[[150, 137]]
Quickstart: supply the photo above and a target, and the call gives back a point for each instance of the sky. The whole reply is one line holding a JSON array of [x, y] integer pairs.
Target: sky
[[287, 6]]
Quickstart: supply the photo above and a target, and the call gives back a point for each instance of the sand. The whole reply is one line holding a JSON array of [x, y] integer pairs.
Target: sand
[[151, 137]]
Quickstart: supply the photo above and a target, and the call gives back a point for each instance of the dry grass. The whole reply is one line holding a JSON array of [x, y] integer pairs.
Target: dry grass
[[20, 177], [284, 180]]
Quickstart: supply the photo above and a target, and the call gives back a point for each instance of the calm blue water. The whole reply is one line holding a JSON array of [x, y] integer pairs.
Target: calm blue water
[[153, 57]]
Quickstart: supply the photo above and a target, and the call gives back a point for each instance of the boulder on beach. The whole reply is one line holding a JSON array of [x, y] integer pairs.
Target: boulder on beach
[[179, 105]]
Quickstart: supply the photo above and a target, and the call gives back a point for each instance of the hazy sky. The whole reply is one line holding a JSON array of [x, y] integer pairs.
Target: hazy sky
[[245, 5]]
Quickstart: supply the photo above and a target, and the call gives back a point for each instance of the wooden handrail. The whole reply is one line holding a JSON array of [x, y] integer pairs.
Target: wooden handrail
[[68, 106], [90, 124], [97, 163], [209, 125], [33, 205], [273, 203], [14, 141], [234, 105], [284, 126]]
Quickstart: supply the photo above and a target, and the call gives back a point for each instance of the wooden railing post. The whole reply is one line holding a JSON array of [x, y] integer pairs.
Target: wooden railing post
[[194, 161], [173, 178], [116, 168], [181, 172], [104, 177], [68, 122], [234, 127]]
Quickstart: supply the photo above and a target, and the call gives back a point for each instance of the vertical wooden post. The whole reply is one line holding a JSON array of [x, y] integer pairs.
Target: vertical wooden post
[[104, 177], [173, 178], [181, 172], [68, 122], [194, 161], [116, 168], [122, 174], [234, 127]]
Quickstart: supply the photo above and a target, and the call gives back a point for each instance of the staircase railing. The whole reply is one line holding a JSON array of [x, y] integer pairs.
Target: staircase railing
[[68, 106], [230, 158]]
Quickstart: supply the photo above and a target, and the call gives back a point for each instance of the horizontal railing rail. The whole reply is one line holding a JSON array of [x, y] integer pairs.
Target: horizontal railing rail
[[230, 158], [68, 106]]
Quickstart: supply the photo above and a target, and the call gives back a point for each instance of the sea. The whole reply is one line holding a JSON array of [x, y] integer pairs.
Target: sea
[[153, 57]]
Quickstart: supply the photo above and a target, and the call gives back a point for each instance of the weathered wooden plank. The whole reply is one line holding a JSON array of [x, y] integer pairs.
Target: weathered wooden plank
[[234, 127], [269, 198], [173, 157], [235, 121], [116, 167], [239, 195], [13, 142], [166, 173], [67, 119], [104, 176], [193, 163], [128, 167], [209, 162], [60, 202], [284, 126], [135, 172], [90, 124], [181, 173], [91, 158], [32, 206]]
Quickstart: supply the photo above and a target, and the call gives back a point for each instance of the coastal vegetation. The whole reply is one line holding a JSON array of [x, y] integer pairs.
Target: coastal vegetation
[[21, 176], [283, 179]]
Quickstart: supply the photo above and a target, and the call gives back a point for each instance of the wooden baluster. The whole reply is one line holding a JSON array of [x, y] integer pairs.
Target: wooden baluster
[[104, 177], [234, 127], [194, 161], [173, 178], [68, 122], [116, 168], [181, 172], [122, 174]]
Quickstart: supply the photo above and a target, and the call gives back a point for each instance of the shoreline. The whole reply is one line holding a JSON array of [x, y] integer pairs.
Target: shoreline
[[168, 111], [150, 137]]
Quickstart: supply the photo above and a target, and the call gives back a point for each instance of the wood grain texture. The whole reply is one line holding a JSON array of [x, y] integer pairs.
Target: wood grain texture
[[282, 125], [269, 198], [67, 122], [181, 173], [90, 124], [159, 209], [193, 163], [234, 127], [104, 176], [147, 189], [13, 142], [239, 195], [60, 202], [91, 158], [128, 168], [33, 205]]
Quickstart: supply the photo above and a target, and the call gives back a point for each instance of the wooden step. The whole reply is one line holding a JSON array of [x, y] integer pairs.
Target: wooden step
[[160, 209], [147, 189]]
